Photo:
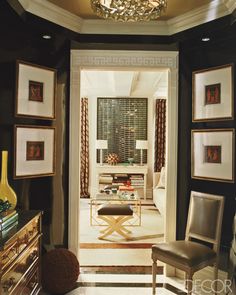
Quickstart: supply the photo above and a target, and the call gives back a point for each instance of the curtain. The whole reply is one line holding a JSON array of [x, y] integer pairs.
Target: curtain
[[84, 154], [160, 135]]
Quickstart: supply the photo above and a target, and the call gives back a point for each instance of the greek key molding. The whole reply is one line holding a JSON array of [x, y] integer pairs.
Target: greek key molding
[[160, 59]]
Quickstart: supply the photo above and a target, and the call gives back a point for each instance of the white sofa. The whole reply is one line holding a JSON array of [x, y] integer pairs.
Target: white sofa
[[159, 193]]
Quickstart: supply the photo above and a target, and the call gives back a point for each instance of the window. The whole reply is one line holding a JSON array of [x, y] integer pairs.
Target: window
[[122, 121]]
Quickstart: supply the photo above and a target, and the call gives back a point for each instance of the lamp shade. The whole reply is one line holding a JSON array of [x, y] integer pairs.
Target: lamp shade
[[141, 144], [101, 144]]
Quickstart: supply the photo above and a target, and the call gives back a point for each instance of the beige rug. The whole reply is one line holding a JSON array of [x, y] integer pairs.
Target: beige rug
[[115, 250]]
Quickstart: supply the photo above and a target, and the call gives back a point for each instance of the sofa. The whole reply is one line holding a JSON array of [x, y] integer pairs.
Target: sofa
[[159, 191]]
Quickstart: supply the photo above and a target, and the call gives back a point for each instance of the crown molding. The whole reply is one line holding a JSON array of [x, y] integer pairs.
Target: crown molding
[[230, 4], [196, 17], [111, 27], [53, 13], [201, 15]]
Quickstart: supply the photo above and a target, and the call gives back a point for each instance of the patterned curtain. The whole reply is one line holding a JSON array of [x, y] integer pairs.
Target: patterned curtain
[[160, 135], [84, 154]]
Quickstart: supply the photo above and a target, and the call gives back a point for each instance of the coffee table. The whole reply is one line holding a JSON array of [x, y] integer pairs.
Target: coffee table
[[132, 198]]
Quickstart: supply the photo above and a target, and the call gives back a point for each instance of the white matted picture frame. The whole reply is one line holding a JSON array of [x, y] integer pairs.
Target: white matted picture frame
[[212, 94], [212, 154], [34, 151], [35, 91]]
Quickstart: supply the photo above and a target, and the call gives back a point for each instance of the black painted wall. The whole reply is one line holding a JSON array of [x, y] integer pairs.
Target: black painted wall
[[21, 40], [196, 55]]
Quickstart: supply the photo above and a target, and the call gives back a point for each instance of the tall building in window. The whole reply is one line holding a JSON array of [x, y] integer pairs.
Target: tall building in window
[[122, 121]]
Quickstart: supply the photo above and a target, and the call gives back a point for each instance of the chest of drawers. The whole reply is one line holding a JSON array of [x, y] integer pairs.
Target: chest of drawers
[[20, 253]]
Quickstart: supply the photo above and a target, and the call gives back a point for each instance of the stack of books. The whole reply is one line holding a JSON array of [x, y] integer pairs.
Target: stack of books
[[121, 178], [137, 180], [126, 188], [8, 219]]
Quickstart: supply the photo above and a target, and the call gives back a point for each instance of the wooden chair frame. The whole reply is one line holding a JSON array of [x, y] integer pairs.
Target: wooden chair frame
[[189, 271]]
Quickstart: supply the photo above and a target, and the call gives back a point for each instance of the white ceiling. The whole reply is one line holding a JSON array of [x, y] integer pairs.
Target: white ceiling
[[124, 83]]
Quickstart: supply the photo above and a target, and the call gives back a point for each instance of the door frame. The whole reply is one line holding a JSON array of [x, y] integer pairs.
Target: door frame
[[122, 59]]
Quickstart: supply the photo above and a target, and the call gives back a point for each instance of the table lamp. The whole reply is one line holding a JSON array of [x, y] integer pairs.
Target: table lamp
[[141, 145], [101, 145]]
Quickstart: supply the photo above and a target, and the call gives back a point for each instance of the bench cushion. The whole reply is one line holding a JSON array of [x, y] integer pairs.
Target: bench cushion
[[115, 209]]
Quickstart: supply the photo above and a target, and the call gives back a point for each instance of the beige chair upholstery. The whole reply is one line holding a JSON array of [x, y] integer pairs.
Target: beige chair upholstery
[[203, 224]]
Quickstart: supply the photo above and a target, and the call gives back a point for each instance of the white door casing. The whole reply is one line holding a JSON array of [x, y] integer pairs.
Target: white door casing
[[122, 60]]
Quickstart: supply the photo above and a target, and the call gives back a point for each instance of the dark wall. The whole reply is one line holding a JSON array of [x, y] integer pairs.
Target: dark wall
[[196, 55], [21, 40]]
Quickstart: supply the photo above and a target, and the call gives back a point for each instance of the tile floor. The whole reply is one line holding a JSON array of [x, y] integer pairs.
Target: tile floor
[[125, 284]]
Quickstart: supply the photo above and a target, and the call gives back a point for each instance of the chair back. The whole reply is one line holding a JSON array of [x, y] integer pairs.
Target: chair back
[[205, 218]]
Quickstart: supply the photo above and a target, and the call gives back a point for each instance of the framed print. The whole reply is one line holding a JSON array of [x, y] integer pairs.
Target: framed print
[[34, 151], [35, 91], [213, 154], [213, 94]]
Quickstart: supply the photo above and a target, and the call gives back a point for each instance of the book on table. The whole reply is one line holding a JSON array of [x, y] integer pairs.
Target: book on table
[[8, 218], [126, 188]]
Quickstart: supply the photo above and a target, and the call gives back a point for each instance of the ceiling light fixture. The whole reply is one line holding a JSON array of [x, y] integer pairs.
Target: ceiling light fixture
[[129, 10], [47, 37], [205, 39]]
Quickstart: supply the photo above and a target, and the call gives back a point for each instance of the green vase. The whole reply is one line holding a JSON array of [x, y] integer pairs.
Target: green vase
[[6, 192]]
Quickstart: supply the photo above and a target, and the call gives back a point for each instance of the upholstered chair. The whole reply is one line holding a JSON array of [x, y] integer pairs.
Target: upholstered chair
[[202, 240]]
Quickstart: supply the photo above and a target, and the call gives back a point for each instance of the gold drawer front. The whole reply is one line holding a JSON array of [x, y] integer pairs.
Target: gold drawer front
[[33, 228], [30, 283], [20, 267], [9, 253], [25, 236]]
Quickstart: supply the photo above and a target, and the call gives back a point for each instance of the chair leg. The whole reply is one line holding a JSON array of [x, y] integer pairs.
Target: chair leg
[[154, 274], [189, 283], [215, 277]]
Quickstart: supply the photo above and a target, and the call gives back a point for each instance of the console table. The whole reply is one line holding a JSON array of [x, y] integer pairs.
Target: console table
[[20, 251], [127, 169]]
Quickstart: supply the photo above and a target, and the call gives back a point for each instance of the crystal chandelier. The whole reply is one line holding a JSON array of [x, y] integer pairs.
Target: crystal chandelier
[[129, 10]]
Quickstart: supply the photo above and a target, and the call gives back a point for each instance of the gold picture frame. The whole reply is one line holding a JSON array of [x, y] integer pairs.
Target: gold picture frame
[[34, 151], [212, 154], [35, 91], [212, 94]]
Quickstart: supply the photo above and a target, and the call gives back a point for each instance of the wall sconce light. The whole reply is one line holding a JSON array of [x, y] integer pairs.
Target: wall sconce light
[[101, 145], [141, 145]]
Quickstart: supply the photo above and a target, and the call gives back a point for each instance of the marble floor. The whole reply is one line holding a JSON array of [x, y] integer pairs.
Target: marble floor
[[136, 281]]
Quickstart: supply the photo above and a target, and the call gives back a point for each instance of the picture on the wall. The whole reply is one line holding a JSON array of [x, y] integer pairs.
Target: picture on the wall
[[34, 151], [213, 154], [35, 91], [212, 94]]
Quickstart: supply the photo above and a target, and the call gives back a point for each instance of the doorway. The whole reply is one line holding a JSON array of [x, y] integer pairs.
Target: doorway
[[107, 60]]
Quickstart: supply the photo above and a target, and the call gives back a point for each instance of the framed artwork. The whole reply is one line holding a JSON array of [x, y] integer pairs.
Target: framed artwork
[[213, 94], [35, 91], [34, 151], [213, 154]]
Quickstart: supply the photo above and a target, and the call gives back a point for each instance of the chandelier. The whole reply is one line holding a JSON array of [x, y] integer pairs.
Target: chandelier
[[129, 10]]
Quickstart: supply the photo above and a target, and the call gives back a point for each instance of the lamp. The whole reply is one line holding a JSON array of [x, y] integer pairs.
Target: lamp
[[102, 145], [141, 145], [129, 10]]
